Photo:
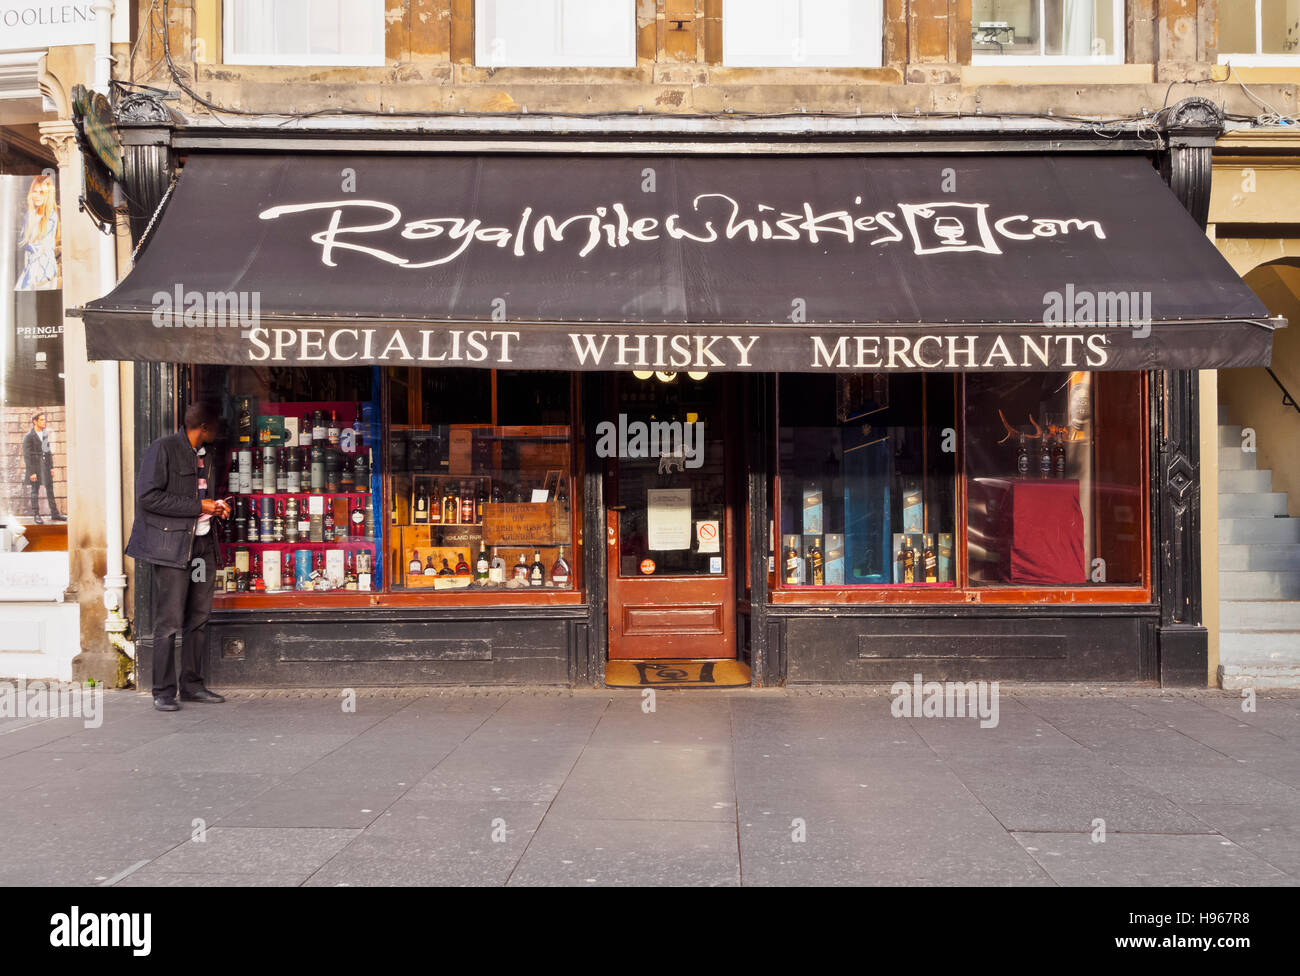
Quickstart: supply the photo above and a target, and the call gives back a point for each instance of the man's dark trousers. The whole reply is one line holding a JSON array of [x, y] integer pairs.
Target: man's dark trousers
[[44, 477], [182, 604]]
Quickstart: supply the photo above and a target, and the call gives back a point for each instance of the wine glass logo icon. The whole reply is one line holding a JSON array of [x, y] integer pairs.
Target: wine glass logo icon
[[951, 230]]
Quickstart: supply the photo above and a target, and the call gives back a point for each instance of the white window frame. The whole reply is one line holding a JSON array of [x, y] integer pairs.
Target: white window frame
[[484, 56], [873, 45], [304, 60], [1117, 57], [1259, 58]]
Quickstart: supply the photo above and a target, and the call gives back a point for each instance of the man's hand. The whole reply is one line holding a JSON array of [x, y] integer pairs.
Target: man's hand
[[211, 507], [33, 478]]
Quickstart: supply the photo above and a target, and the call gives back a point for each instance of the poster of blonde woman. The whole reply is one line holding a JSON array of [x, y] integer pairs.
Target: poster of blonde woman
[[39, 240]]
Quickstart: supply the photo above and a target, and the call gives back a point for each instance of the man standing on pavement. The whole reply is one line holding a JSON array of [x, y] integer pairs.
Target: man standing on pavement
[[175, 501], [38, 455]]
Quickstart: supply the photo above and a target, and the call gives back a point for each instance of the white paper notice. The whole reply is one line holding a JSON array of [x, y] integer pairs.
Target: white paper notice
[[707, 534], [316, 504], [668, 518]]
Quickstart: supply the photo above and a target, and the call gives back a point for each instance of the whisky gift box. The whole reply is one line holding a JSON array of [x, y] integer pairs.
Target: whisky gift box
[[812, 511], [945, 557], [791, 561], [913, 509], [834, 550]]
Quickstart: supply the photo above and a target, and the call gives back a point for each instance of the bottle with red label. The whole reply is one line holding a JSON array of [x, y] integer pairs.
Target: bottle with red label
[[357, 519], [286, 571]]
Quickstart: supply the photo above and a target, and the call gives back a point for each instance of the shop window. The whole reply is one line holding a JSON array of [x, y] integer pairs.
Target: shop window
[[34, 461], [1054, 479], [307, 32], [555, 33], [1050, 467], [1047, 31], [802, 33], [481, 493], [1259, 31], [867, 479], [343, 479]]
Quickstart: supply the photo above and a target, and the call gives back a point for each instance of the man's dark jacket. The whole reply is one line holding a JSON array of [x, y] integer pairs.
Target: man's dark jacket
[[167, 502], [33, 454]]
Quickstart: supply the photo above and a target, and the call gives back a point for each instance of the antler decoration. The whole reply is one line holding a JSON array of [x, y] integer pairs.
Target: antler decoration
[[1017, 432]]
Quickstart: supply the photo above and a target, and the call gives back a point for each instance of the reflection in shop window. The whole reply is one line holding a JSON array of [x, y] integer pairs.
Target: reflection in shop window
[[1064, 30], [867, 480], [1258, 30], [33, 466], [1054, 479]]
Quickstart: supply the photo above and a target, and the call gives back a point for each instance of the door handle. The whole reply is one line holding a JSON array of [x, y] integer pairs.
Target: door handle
[[617, 508]]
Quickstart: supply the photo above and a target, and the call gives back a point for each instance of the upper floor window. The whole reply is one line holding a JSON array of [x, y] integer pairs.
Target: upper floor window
[[1055, 31], [801, 33], [1259, 31], [555, 33], [342, 32]]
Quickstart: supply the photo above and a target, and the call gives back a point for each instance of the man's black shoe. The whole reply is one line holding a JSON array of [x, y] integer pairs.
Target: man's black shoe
[[59, 518], [38, 520], [202, 695], [166, 705]]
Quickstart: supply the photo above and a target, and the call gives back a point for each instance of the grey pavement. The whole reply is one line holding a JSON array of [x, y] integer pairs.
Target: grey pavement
[[1074, 786]]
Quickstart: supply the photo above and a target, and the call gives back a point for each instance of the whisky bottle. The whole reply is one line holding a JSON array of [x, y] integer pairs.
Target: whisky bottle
[[304, 431], [332, 431], [446, 569], [254, 535], [907, 561], [816, 564], [233, 477], [481, 568], [328, 523], [1058, 457], [466, 503], [241, 521], [370, 518], [1045, 458], [318, 429], [462, 567], [277, 526], [521, 569], [420, 509], [291, 520], [931, 561], [293, 476], [363, 561], [356, 520], [258, 583], [450, 507], [414, 567], [536, 572], [245, 472], [434, 504], [332, 470], [256, 485], [560, 571], [282, 470], [245, 424], [1022, 458], [480, 497], [349, 570], [286, 571], [317, 481], [791, 566], [496, 569]]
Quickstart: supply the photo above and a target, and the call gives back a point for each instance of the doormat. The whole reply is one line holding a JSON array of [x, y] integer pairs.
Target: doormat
[[676, 674]]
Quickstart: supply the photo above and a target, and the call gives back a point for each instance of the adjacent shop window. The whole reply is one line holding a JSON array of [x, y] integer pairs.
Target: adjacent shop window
[[801, 33], [346, 479], [1052, 475], [1060, 31], [867, 476], [1054, 479], [481, 494], [339, 32], [1259, 31], [34, 462], [554, 33]]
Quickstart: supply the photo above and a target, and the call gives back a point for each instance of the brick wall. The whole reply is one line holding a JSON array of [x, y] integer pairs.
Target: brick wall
[[15, 491]]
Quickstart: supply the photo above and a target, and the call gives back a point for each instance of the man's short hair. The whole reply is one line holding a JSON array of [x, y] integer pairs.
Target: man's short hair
[[37, 416], [201, 414]]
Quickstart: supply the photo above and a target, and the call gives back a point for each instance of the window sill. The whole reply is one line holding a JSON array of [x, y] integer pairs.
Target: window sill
[[349, 599], [939, 594], [1012, 71]]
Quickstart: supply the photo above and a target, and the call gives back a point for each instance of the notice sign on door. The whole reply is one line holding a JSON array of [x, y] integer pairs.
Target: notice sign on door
[[668, 518], [706, 535]]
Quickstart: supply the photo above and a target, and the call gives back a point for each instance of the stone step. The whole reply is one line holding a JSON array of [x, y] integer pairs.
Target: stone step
[[1272, 557], [1235, 459], [1261, 646], [1259, 585], [1241, 616], [1236, 531], [1251, 504], [1230, 435], [1245, 479]]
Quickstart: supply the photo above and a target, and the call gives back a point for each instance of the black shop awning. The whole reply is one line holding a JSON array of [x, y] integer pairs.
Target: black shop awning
[[842, 263]]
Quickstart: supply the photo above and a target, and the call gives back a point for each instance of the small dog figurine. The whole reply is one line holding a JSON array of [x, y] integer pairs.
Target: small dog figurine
[[669, 461]]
